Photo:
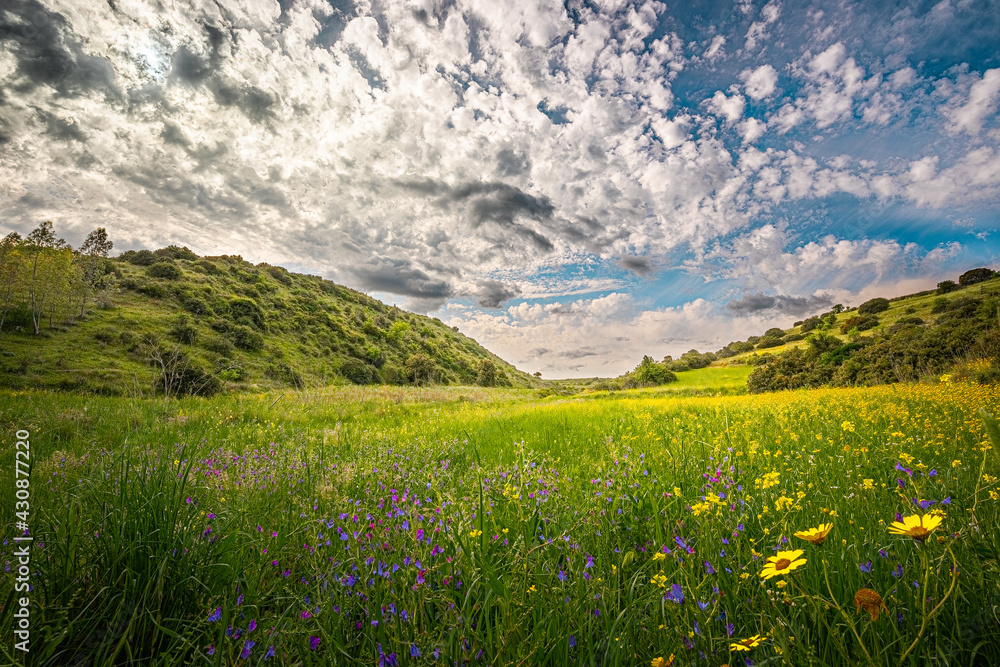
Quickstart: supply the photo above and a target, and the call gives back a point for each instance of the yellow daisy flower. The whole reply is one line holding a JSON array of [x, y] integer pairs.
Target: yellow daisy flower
[[916, 526], [782, 563], [662, 662], [746, 644], [815, 535]]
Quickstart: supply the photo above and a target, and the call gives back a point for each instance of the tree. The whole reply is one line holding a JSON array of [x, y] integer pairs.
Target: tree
[[50, 261], [12, 264], [487, 376], [946, 286], [648, 372], [419, 368], [97, 243], [973, 276], [95, 247]]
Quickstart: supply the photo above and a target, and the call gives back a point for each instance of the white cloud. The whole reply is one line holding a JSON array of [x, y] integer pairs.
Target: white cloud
[[760, 83], [728, 107], [981, 104], [752, 130], [758, 29], [714, 49]]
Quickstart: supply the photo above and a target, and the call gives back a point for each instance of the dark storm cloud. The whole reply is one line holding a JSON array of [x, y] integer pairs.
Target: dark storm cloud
[[510, 163], [174, 134], [502, 203], [638, 265], [190, 67], [252, 101], [793, 305], [47, 54], [196, 69], [494, 202], [61, 129], [579, 354], [494, 293], [167, 185], [400, 277]]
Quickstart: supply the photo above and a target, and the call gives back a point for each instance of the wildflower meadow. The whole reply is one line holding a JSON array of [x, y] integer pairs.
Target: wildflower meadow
[[465, 526]]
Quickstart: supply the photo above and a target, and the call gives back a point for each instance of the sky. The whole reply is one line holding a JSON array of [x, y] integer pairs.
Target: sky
[[574, 185]]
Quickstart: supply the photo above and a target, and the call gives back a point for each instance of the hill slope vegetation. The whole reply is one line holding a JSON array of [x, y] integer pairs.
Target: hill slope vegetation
[[171, 322], [953, 331]]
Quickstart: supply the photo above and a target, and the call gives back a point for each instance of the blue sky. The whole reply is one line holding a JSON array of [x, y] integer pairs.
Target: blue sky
[[575, 185]]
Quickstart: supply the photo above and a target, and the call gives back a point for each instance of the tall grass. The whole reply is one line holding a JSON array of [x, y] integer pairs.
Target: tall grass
[[398, 526]]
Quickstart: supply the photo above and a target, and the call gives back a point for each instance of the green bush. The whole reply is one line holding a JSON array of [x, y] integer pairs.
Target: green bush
[[650, 373], [973, 276], [153, 290], [246, 338], [859, 322], [810, 323], [165, 269], [138, 257], [873, 306], [946, 286], [245, 311], [176, 252], [183, 331], [219, 345], [358, 371], [486, 375]]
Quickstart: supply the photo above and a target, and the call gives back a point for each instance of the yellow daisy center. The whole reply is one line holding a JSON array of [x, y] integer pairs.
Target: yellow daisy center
[[782, 563]]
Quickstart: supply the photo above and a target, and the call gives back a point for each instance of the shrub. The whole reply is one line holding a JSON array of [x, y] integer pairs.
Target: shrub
[[246, 338], [973, 276], [278, 273], [487, 373], [285, 373], [648, 372], [946, 286], [176, 252], [194, 305], [165, 269], [219, 345], [153, 290], [859, 322], [810, 323], [873, 306], [245, 311], [138, 257], [420, 368], [183, 331], [358, 371]]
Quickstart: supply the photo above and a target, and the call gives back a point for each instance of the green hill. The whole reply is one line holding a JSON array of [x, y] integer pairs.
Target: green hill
[[953, 330], [170, 321]]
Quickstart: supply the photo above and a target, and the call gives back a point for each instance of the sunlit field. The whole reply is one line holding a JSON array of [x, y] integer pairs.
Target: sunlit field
[[475, 526]]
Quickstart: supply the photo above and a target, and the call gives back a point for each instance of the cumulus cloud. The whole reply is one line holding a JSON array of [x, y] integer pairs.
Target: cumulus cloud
[[982, 102], [728, 107], [490, 153], [761, 82]]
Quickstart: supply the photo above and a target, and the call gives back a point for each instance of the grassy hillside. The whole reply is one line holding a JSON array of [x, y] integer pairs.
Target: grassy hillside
[[952, 331], [187, 324]]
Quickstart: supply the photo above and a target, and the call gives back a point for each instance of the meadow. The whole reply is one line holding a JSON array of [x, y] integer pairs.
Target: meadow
[[457, 525]]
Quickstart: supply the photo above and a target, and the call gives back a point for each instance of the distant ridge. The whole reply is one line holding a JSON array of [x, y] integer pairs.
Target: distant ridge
[[952, 331]]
